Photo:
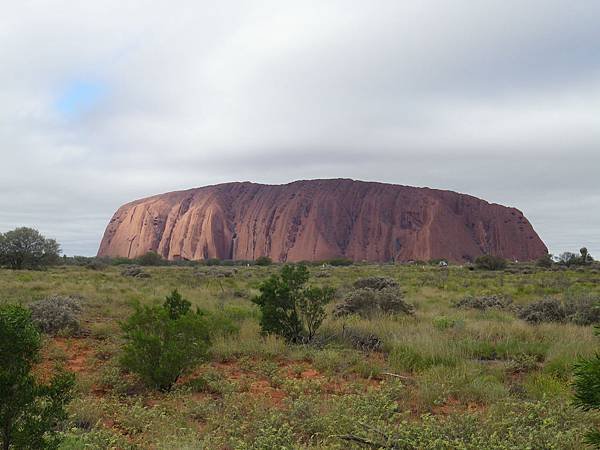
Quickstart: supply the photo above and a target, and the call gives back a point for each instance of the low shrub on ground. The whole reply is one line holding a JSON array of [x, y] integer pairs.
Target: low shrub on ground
[[482, 303], [377, 283], [263, 261], [135, 272], [368, 302], [57, 314], [490, 262], [581, 310]]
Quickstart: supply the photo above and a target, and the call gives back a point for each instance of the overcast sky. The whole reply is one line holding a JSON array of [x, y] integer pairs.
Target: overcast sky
[[106, 101]]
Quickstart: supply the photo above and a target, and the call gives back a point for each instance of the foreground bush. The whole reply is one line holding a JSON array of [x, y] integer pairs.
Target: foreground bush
[[30, 412], [490, 262], [164, 341], [368, 302], [587, 390], [57, 314], [289, 309]]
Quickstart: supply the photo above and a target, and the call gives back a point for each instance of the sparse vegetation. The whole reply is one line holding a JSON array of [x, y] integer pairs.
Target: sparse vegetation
[[442, 377]]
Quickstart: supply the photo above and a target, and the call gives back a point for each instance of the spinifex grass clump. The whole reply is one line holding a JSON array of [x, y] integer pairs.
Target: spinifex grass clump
[[57, 314]]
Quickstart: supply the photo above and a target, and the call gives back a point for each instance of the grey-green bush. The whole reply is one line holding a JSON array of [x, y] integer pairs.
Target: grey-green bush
[[57, 314], [367, 302]]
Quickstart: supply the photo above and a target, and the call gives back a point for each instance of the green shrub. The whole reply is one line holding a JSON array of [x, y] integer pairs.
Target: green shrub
[[263, 261], [160, 348], [29, 411], [490, 262], [587, 390], [289, 309], [176, 305], [151, 259], [57, 314]]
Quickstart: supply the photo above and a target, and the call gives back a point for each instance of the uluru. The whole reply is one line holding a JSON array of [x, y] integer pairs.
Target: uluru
[[317, 220]]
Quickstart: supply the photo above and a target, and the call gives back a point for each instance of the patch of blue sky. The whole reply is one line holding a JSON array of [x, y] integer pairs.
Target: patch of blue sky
[[80, 97]]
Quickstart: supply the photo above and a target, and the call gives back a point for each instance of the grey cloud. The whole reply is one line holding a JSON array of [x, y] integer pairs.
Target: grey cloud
[[498, 99]]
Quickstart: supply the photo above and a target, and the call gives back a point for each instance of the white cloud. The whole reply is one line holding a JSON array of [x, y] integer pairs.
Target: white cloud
[[499, 99]]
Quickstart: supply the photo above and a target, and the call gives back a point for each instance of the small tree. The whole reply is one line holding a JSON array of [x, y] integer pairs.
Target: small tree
[[29, 411], [587, 390], [26, 248], [164, 341], [568, 259], [288, 308], [585, 257]]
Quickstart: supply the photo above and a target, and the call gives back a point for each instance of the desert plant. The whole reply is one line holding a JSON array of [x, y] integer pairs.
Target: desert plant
[[160, 348], [583, 309], [587, 390], [150, 259], [545, 261], [288, 308], [490, 262], [547, 310], [367, 302], [263, 261], [377, 283], [29, 411], [492, 301], [56, 314], [176, 305], [26, 248], [135, 272]]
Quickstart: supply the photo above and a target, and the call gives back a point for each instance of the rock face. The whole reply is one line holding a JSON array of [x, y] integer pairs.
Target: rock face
[[318, 220]]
